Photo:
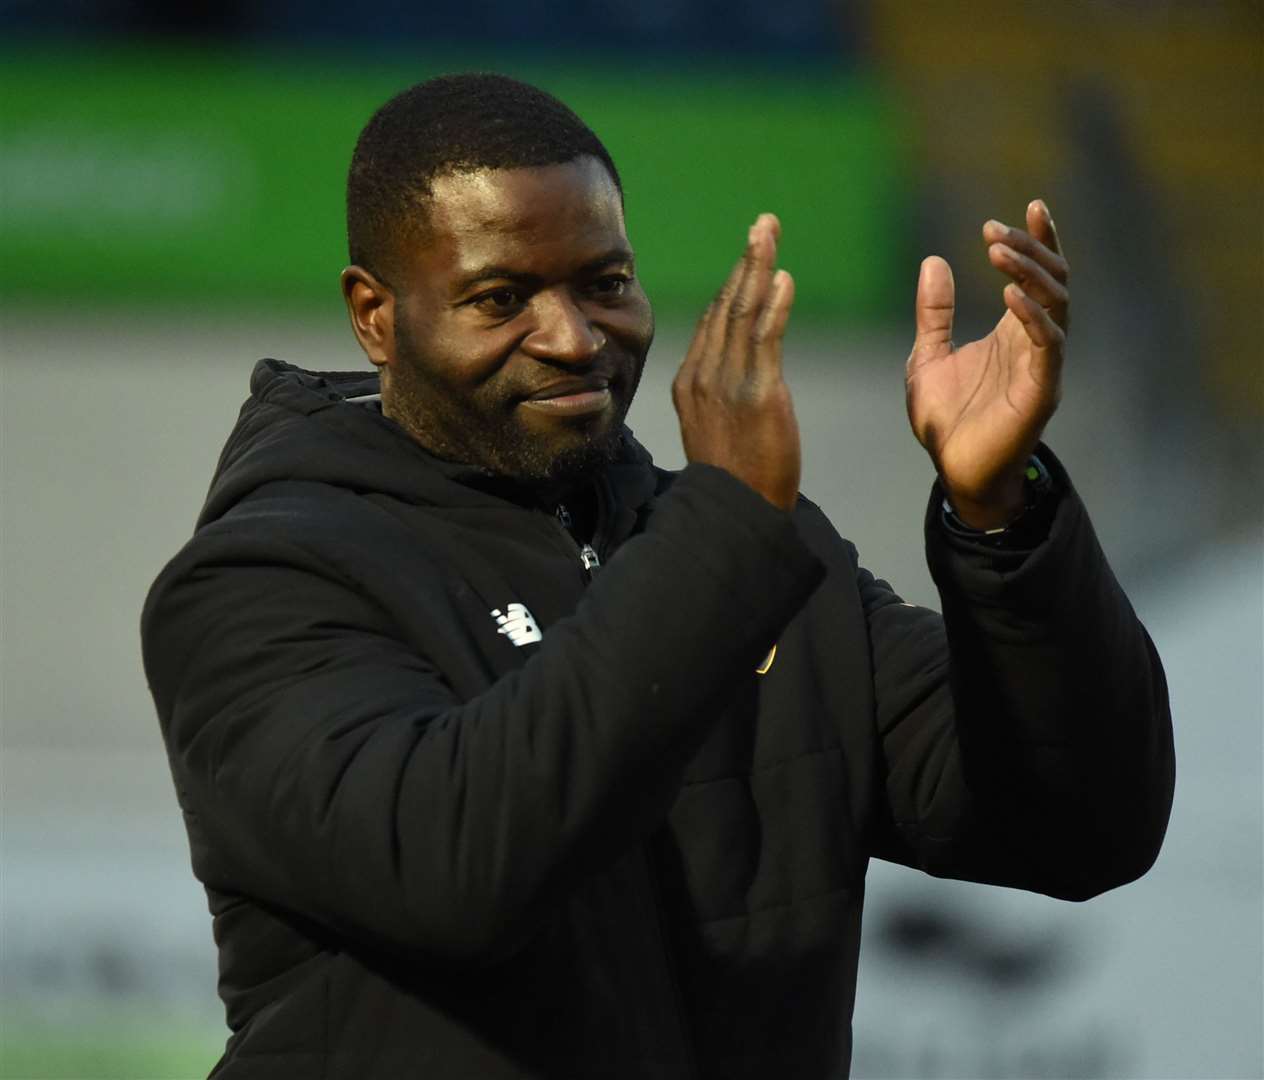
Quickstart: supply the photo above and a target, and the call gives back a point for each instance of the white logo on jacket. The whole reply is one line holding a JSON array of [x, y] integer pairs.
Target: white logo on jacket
[[517, 624]]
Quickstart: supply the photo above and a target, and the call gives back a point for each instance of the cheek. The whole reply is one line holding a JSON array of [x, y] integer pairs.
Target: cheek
[[634, 323], [468, 361]]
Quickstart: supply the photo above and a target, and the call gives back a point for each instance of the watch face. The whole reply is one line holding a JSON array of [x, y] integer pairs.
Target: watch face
[[1037, 477]]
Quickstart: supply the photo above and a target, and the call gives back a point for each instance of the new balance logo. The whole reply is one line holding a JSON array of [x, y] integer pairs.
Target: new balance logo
[[517, 624]]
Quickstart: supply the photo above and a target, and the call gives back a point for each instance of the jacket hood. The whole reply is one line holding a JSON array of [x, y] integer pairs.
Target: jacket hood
[[327, 427]]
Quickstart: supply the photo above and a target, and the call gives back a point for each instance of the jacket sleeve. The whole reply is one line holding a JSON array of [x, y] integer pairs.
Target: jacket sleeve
[[326, 768], [1025, 737]]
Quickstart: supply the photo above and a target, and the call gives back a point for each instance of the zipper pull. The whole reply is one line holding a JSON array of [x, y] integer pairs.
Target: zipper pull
[[587, 553]]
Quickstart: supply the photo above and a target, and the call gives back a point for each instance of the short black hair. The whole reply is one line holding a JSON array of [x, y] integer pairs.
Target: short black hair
[[452, 123]]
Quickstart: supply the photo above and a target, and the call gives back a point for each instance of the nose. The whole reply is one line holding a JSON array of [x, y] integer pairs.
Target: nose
[[563, 333]]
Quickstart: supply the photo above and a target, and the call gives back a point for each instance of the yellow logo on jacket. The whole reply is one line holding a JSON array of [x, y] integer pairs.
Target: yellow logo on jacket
[[767, 663]]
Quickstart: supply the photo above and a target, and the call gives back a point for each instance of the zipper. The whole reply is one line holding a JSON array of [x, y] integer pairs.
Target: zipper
[[588, 557], [587, 553]]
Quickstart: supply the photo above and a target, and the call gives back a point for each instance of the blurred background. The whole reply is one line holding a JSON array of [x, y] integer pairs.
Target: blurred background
[[171, 180]]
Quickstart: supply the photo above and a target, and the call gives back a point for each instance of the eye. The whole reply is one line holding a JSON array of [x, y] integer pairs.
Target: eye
[[502, 301], [611, 286]]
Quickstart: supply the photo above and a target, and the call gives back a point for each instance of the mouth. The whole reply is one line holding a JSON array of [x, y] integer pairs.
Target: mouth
[[571, 397]]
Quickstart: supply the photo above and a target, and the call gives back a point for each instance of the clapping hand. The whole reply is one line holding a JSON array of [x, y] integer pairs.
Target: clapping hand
[[979, 408], [734, 406]]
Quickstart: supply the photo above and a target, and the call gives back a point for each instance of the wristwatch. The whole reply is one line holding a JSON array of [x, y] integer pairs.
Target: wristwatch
[[1029, 528]]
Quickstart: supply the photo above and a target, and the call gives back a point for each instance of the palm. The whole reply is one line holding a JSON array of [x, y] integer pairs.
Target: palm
[[981, 404], [979, 409]]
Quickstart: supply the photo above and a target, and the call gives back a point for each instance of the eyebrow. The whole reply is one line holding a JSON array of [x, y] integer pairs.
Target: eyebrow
[[504, 273]]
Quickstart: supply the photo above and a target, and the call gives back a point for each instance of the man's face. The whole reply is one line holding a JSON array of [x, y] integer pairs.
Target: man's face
[[520, 329]]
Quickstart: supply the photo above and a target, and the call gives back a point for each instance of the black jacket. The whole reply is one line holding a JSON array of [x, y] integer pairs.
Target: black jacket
[[611, 849]]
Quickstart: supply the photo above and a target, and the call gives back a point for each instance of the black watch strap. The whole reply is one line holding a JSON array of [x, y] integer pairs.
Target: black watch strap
[[1029, 528]]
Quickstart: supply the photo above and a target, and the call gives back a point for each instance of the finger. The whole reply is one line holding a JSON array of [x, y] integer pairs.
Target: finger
[[1040, 225], [724, 298], [688, 367], [997, 232], [1034, 279], [770, 329], [936, 302], [762, 257], [750, 300], [711, 351], [1043, 332]]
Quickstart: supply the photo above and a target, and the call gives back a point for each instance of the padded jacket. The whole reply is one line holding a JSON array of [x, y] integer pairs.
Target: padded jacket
[[444, 837]]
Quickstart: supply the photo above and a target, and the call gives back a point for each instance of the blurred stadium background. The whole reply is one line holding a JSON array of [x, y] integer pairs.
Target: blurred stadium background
[[171, 178]]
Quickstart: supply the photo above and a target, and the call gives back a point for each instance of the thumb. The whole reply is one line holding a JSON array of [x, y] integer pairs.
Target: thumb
[[936, 299]]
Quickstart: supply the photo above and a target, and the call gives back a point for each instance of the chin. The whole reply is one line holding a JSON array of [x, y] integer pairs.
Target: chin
[[575, 457]]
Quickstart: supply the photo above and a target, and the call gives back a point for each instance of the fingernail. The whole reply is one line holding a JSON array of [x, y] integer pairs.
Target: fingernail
[[992, 223]]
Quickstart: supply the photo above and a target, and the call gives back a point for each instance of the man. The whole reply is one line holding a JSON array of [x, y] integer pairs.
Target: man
[[505, 754]]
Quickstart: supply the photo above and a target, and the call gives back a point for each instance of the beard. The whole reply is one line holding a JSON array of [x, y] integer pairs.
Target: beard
[[483, 428]]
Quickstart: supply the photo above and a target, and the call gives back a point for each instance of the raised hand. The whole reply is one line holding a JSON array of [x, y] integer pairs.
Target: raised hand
[[734, 407], [979, 409]]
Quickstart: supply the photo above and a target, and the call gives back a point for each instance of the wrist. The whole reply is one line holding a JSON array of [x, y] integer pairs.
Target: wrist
[[1003, 506], [1027, 527]]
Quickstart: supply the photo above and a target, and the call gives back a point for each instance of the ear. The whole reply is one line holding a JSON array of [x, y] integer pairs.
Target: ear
[[371, 305]]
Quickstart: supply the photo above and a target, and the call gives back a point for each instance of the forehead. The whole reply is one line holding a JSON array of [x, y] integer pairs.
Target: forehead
[[543, 214]]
